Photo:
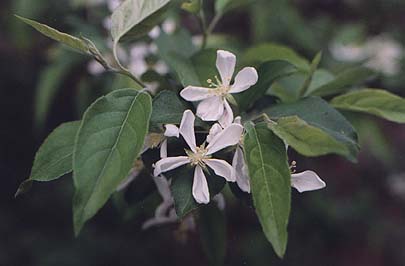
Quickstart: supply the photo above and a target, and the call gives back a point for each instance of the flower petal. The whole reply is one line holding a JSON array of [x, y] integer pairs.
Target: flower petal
[[171, 131], [246, 78], [163, 149], [228, 137], [211, 109], [215, 130], [163, 186], [227, 117], [221, 168], [187, 129], [240, 171], [238, 120], [192, 93], [201, 193], [226, 62], [307, 181], [220, 200], [169, 163]]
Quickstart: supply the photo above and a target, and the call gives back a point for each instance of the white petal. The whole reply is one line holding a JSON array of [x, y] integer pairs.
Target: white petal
[[171, 131], [226, 62], [211, 109], [227, 117], [221, 168], [228, 137], [163, 149], [220, 200], [241, 173], [187, 129], [158, 221], [307, 181], [246, 78], [192, 93], [162, 209], [215, 130], [201, 193], [238, 120], [163, 186], [131, 177], [169, 163]]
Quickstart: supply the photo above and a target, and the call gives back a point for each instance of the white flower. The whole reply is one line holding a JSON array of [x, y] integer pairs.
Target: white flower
[[306, 181], [200, 156], [214, 104]]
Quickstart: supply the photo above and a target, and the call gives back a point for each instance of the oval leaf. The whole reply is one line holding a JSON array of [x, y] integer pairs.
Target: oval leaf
[[266, 157], [134, 18], [54, 157], [306, 139], [372, 101], [318, 113], [109, 140]]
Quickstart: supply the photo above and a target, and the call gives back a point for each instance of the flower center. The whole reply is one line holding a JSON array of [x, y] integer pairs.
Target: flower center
[[219, 88], [198, 156]]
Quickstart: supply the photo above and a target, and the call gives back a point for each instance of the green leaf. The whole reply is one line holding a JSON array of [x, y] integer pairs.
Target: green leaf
[[314, 65], [271, 52], [223, 6], [184, 69], [109, 140], [54, 157], [306, 139], [179, 42], [343, 81], [268, 73], [167, 109], [182, 183], [71, 41], [318, 113], [270, 180], [192, 6], [373, 101], [134, 18], [213, 233]]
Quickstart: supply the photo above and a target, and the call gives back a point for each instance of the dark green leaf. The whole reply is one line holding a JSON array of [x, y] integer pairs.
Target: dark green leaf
[[213, 233], [270, 177], [343, 81], [318, 113], [167, 109], [373, 101], [223, 6], [306, 139], [54, 157], [268, 72], [109, 140]]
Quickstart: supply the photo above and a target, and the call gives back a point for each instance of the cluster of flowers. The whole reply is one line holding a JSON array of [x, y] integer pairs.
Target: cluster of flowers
[[227, 131]]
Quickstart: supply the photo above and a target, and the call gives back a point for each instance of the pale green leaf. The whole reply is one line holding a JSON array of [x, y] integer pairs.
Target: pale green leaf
[[269, 173], [373, 101], [69, 40], [306, 139], [318, 113], [109, 140], [54, 157], [134, 18]]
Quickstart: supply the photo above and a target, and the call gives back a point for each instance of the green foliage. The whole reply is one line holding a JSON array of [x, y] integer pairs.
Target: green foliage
[[134, 18], [306, 139], [342, 82], [213, 233], [318, 113], [192, 6], [270, 176], [223, 6], [69, 40], [109, 140], [54, 157], [268, 73], [373, 101]]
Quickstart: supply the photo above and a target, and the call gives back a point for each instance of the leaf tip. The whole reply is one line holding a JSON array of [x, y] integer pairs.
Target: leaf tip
[[23, 188]]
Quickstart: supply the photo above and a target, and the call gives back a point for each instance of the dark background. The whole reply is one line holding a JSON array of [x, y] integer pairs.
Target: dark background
[[359, 219]]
